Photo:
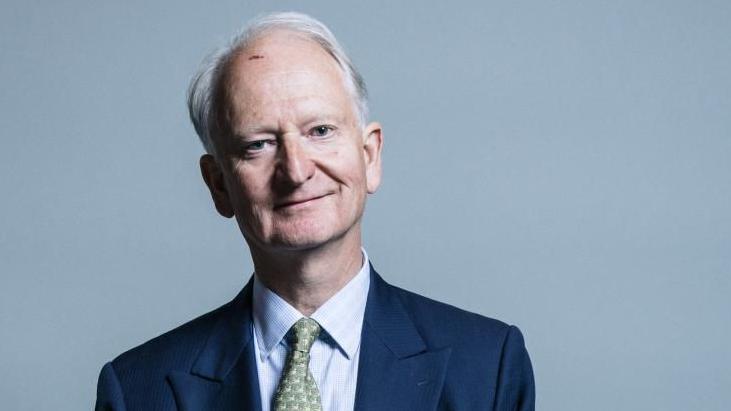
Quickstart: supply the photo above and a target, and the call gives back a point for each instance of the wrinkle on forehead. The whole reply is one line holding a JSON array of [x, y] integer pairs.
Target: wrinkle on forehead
[[287, 95], [278, 70]]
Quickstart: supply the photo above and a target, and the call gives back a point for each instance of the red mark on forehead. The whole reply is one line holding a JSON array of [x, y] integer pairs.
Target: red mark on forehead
[[256, 57]]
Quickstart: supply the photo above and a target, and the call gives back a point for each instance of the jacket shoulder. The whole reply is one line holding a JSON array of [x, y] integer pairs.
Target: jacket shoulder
[[173, 350], [445, 323], [489, 364]]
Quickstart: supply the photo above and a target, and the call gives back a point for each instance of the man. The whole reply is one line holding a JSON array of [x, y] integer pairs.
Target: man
[[282, 113]]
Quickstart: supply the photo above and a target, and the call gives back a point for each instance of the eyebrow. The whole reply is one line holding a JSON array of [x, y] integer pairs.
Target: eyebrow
[[312, 119], [245, 135]]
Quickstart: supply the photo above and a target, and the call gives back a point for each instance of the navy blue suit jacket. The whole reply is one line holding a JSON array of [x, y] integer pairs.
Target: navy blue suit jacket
[[416, 354]]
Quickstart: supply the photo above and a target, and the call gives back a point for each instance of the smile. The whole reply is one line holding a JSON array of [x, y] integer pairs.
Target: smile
[[297, 203]]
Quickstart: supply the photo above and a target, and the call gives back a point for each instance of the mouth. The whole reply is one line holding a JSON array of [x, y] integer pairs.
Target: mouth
[[297, 203]]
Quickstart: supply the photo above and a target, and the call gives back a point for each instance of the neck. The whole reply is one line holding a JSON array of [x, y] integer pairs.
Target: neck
[[306, 279]]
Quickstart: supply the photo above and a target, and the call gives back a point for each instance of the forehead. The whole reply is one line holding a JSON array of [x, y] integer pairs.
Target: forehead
[[277, 50], [281, 71]]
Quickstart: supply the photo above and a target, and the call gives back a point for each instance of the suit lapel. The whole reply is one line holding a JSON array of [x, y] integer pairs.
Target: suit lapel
[[397, 370], [224, 375]]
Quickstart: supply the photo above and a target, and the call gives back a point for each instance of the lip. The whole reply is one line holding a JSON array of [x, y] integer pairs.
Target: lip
[[296, 203]]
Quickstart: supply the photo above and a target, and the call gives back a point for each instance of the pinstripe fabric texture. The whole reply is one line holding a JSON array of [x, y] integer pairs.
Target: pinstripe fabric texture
[[333, 356]]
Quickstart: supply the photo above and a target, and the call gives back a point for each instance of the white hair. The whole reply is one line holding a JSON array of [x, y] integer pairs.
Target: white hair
[[203, 101]]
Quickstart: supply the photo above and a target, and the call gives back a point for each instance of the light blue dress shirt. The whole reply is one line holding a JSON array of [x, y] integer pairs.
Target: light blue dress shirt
[[334, 355]]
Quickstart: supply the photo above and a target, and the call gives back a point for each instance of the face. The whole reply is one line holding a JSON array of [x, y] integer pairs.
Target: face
[[295, 166]]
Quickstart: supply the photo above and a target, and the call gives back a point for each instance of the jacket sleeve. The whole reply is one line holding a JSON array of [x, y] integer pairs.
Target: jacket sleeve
[[516, 388], [109, 396]]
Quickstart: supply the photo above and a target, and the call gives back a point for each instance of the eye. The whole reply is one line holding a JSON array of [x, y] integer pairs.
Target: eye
[[321, 131], [257, 146]]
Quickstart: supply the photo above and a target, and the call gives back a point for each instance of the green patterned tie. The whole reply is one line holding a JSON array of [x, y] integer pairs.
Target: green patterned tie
[[297, 389]]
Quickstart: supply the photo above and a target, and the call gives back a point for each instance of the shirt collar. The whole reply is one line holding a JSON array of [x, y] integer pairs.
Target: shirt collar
[[341, 316]]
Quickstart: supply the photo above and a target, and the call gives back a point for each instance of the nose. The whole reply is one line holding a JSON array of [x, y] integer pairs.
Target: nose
[[295, 164]]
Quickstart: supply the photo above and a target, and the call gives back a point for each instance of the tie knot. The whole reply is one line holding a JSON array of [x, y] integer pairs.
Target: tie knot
[[304, 333]]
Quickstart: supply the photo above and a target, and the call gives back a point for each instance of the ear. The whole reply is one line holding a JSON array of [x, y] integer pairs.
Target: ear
[[213, 176], [372, 145]]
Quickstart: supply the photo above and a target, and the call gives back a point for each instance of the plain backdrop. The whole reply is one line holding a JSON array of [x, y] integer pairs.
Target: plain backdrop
[[561, 165]]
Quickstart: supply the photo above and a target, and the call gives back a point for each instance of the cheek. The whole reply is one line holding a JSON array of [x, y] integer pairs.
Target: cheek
[[253, 177], [348, 164], [251, 192]]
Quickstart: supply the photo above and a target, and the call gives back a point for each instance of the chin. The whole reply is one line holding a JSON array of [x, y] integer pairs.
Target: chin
[[304, 238], [299, 234], [301, 240]]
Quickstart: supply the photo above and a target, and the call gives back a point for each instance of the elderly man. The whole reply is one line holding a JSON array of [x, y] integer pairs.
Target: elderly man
[[282, 113]]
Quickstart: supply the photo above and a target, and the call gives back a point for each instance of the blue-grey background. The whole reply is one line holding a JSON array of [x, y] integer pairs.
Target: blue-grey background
[[560, 165]]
